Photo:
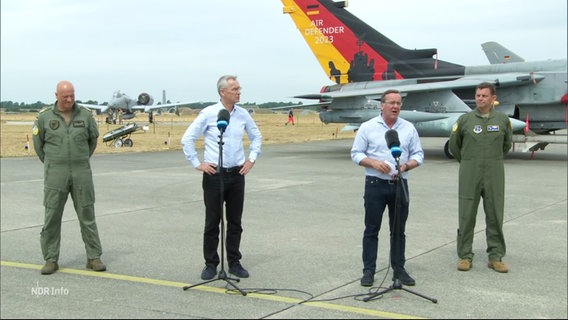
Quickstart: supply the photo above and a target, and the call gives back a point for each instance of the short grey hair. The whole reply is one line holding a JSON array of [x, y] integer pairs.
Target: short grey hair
[[222, 83]]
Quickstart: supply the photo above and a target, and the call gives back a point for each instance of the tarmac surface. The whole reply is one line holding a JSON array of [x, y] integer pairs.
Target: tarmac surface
[[303, 226]]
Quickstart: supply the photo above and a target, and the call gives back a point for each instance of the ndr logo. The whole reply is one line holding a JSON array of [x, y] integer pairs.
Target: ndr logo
[[49, 291]]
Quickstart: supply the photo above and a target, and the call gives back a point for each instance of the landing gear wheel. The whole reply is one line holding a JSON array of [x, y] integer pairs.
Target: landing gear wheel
[[128, 142], [118, 143], [447, 150]]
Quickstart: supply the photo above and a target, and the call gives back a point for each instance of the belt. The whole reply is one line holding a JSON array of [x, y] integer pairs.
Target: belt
[[232, 169], [371, 179]]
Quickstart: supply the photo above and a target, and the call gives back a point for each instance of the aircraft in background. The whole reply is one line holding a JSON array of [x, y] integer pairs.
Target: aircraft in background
[[121, 105], [497, 54], [364, 63]]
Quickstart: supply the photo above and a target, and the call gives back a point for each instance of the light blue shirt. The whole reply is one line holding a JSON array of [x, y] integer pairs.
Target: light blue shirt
[[233, 152], [370, 142]]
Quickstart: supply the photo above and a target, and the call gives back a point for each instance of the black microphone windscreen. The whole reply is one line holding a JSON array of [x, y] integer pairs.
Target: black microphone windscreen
[[224, 115], [223, 119], [391, 136]]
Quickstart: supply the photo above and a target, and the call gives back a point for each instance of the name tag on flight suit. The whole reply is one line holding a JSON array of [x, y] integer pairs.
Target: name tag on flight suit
[[492, 128], [79, 124]]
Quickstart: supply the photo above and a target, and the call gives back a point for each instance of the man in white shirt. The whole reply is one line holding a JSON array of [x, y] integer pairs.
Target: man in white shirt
[[233, 169]]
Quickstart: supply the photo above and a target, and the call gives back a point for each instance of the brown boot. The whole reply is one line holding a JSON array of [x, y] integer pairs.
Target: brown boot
[[49, 267], [498, 266], [464, 265], [96, 265]]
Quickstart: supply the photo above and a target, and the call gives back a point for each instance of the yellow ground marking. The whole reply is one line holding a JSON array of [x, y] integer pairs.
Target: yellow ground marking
[[167, 283]]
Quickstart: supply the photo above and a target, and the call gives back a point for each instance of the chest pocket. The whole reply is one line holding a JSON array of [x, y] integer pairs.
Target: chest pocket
[[80, 138], [487, 134], [54, 133]]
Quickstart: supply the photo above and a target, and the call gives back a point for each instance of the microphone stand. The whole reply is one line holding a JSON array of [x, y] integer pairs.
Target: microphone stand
[[222, 274], [397, 284]]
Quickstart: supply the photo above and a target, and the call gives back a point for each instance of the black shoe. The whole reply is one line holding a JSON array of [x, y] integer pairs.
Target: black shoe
[[238, 270], [367, 279], [208, 272], [404, 277]]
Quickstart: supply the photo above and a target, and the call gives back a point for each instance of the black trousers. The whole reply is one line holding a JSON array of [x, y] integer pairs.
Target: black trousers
[[233, 198], [378, 195]]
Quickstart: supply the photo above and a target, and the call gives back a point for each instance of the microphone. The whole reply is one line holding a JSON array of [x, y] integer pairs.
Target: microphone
[[223, 119], [393, 143]]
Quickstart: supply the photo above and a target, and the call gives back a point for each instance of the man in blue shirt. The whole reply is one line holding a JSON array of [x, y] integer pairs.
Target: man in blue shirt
[[234, 168], [370, 150]]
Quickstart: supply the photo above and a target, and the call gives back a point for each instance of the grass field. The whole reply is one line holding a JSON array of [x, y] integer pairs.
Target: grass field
[[166, 131]]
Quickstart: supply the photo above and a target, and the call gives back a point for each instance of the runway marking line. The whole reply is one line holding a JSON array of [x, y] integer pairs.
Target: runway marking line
[[167, 283]]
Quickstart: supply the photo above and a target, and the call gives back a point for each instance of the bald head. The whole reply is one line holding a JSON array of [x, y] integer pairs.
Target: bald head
[[65, 94], [63, 85]]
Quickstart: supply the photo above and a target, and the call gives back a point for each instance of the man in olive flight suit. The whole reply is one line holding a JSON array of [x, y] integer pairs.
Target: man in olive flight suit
[[65, 136], [479, 141]]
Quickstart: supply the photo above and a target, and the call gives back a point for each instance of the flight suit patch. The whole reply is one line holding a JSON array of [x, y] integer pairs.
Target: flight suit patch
[[79, 124], [477, 129], [35, 130], [492, 128], [455, 127], [54, 124]]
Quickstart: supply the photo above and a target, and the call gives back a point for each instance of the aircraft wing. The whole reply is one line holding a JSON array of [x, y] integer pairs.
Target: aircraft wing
[[423, 103], [147, 108], [99, 107], [312, 106], [375, 91], [104, 108]]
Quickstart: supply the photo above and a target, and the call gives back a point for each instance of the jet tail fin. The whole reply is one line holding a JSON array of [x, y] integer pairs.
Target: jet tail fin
[[349, 50], [497, 54]]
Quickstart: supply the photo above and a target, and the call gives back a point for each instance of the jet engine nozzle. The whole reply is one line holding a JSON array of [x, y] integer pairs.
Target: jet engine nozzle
[[145, 99]]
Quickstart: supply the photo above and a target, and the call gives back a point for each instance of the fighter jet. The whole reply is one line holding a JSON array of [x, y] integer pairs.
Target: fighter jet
[[364, 63], [122, 106]]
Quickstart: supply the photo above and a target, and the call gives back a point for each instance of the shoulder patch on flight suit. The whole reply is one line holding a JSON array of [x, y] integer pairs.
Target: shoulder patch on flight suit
[[35, 130], [455, 127], [44, 109], [477, 129], [492, 128], [54, 124]]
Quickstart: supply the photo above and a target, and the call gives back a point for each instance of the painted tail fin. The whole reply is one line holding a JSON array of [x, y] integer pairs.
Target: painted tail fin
[[497, 54], [349, 50]]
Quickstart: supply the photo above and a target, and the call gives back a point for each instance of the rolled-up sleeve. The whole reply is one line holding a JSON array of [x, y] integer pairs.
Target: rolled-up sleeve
[[193, 132], [359, 148]]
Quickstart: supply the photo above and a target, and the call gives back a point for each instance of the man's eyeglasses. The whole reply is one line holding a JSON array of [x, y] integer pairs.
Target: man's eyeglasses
[[392, 103], [235, 89]]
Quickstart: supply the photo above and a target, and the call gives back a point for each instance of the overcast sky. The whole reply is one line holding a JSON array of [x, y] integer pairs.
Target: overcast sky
[[183, 46]]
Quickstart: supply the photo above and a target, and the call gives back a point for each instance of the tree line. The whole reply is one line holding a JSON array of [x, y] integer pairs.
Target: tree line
[[36, 106]]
